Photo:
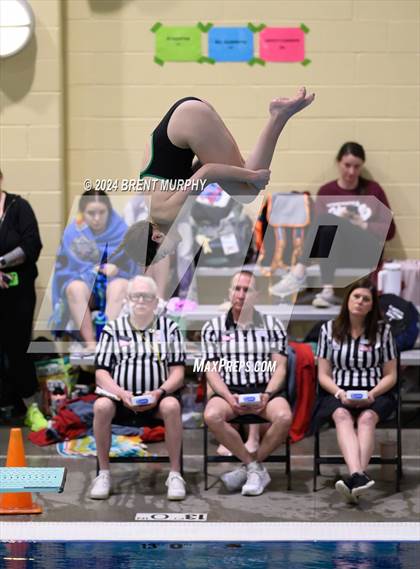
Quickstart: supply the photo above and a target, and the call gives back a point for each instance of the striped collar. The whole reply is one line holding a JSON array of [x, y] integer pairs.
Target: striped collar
[[151, 328], [257, 321]]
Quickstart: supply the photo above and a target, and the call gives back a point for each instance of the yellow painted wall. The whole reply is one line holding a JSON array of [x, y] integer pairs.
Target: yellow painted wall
[[31, 128], [365, 71], [88, 79]]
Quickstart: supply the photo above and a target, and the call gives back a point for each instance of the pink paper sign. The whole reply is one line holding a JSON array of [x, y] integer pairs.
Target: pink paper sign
[[282, 44]]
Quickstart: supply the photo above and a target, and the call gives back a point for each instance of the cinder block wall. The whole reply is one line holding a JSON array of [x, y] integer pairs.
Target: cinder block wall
[[365, 71], [31, 128]]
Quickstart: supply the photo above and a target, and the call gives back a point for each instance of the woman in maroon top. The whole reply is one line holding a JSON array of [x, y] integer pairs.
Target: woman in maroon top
[[351, 225]]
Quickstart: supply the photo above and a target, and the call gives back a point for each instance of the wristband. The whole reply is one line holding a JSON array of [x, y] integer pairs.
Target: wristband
[[163, 391], [269, 393], [337, 394]]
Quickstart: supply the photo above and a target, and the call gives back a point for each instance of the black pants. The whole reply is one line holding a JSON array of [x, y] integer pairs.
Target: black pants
[[334, 242], [17, 370]]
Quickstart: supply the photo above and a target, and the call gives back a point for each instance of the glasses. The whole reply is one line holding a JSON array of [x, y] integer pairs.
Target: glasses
[[137, 296]]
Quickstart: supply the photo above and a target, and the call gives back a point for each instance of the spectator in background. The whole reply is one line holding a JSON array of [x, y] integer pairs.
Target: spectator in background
[[82, 270], [20, 246], [361, 231]]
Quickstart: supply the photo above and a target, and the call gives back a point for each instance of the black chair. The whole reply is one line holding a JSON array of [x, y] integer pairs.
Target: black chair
[[245, 420], [144, 459], [393, 422], [255, 419]]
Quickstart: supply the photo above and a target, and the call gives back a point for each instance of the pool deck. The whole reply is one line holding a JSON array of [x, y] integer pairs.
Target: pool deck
[[139, 488]]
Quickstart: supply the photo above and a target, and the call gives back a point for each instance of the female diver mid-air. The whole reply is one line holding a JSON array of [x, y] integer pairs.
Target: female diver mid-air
[[192, 128]]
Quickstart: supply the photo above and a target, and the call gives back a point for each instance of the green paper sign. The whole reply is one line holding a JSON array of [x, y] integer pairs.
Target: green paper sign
[[175, 43]]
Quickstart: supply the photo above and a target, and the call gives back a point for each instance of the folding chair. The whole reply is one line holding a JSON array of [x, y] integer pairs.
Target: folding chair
[[394, 421], [255, 419], [154, 459], [143, 459], [244, 420]]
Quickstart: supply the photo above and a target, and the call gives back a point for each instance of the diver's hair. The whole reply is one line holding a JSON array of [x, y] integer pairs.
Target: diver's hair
[[133, 244], [142, 279]]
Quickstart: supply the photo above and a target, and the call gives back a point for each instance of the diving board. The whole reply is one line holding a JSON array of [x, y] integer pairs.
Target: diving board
[[28, 479]]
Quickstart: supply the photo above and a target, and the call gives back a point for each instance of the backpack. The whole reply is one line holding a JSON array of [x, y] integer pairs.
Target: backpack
[[280, 229], [222, 229], [403, 318]]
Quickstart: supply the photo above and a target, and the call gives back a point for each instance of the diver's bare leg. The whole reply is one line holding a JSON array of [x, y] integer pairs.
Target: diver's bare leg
[[199, 127], [281, 110]]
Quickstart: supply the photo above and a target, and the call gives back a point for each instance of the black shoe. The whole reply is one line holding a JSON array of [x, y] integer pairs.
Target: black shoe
[[345, 488], [360, 483]]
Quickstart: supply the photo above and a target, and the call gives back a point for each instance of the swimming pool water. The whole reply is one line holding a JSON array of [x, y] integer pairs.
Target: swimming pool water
[[217, 555]]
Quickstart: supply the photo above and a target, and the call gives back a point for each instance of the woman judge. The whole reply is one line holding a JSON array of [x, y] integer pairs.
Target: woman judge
[[356, 352]]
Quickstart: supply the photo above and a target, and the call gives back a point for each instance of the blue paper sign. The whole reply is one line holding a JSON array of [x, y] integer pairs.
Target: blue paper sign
[[231, 44]]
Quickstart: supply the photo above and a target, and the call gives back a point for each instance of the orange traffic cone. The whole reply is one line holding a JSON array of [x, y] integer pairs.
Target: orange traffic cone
[[17, 502]]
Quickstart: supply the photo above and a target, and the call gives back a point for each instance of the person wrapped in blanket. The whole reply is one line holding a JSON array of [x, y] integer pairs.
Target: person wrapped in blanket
[[83, 277]]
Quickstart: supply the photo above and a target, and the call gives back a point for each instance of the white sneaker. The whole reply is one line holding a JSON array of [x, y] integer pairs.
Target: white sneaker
[[288, 285], [235, 479], [257, 479], [101, 487], [176, 486], [325, 299]]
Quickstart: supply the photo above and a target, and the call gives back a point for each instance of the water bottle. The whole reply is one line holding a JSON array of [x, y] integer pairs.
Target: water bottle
[[100, 295], [100, 321]]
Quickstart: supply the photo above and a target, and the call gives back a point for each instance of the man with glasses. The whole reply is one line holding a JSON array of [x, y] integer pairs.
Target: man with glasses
[[139, 353], [245, 352]]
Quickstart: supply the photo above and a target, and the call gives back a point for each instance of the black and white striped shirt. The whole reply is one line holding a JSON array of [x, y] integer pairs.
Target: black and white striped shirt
[[139, 360], [356, 364], [222, 339]]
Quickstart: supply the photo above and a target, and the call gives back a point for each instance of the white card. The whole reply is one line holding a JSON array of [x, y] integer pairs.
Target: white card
[[229, 244]]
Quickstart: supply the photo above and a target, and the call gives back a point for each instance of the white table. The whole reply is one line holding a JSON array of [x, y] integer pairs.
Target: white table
[[283, 311], [408, 358]]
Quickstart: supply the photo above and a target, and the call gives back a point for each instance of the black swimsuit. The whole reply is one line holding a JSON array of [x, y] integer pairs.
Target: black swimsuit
[[167, 160]]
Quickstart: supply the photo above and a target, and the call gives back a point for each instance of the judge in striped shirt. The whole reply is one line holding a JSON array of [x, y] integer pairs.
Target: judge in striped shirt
[[246, 353], [356, 352], [139, 353]]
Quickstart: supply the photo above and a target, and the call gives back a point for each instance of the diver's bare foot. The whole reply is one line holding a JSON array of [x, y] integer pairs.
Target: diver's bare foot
[[285, 107]]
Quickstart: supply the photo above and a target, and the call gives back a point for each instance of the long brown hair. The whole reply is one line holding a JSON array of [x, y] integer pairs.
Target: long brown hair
[[341, 325]]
